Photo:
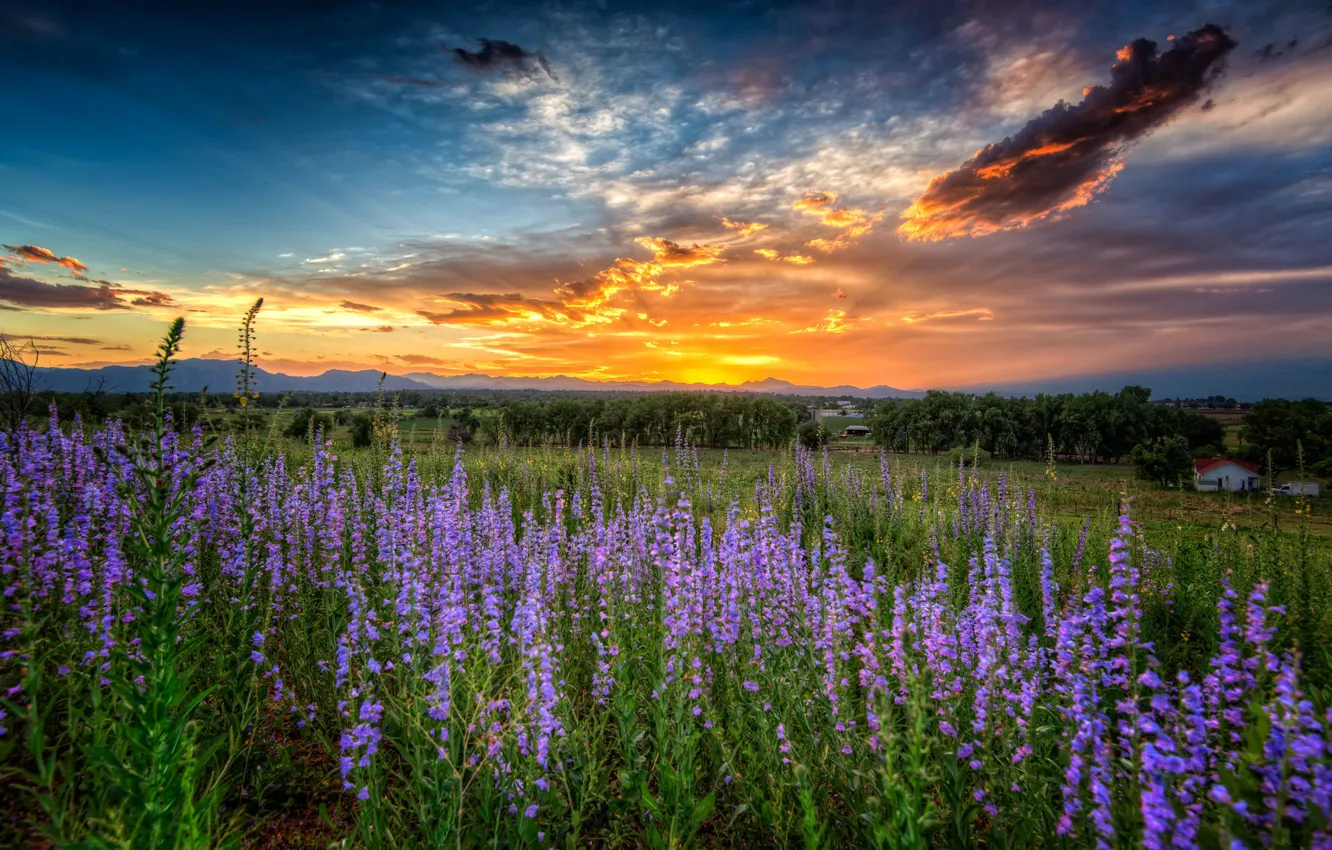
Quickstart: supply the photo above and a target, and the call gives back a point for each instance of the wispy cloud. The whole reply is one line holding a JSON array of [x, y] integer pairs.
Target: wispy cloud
[[356, 307], [981, 313]]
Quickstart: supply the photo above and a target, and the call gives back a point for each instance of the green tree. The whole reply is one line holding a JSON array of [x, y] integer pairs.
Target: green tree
[[363, 431], [1284, 427], [812, 434], [304, 423], [1165, 461]]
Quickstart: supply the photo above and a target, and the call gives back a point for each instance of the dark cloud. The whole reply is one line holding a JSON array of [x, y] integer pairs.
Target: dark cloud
[[36, 254], [412, 81], [67, 340], [1063, 158], [359, 308], [1275, 50], [26, 292], [14, 24], [150, 299], [423, 360], [481, 308], [500, 57]]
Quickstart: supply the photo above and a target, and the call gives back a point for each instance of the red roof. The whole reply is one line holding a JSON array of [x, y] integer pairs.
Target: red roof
[[1204, 465]]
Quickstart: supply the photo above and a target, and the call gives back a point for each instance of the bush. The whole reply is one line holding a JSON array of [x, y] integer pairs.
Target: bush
[[304, 423], [969, 455], [363, 431], [812, 435], [1165, 461]]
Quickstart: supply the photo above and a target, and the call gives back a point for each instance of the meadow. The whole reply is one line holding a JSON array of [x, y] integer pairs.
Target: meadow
[[249, 640]]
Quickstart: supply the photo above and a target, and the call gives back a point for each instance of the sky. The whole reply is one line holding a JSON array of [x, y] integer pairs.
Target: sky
[[918, 194]]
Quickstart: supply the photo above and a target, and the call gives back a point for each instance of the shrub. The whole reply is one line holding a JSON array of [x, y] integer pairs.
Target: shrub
[[811, 434], [363, 431]]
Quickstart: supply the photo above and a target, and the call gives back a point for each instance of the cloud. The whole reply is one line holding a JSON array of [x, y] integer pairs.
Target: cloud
[[26, 292], [380, 329], [425, 360], [359, 308], [412, 81], [600, 299], [490, 308], [672, 255], [500, 57], [35, 254], [1062, 159], [851, 221], [589, 301], [26, 26], [982, 314], [793, 259], [834, 323], [743, 228], [67, 340], [149, 299]]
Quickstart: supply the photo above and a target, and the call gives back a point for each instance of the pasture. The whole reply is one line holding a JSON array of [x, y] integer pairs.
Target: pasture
[[252, 640]]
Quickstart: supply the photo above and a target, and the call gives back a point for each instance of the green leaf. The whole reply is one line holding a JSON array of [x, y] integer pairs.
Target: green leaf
[[703, 808]]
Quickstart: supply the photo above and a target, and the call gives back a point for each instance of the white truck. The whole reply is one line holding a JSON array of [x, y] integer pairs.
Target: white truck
[[1297, 488]]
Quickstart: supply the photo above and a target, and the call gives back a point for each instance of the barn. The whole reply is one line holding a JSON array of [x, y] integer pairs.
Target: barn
[[1213, 474], [856, 431]]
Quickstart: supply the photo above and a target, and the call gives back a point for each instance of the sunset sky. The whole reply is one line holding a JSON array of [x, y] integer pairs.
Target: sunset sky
[[825, 192]]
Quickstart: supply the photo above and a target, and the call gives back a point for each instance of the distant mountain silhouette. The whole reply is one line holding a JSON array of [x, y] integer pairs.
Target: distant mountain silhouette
[[1299, 378], [192, 375], [767, 386], [1293, 378]]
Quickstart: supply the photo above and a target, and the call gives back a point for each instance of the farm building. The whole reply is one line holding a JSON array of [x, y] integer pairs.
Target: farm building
[[1211, 474], [855, 431]]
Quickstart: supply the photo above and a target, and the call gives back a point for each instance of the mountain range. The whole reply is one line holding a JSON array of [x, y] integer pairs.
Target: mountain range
[[193, 375], [1297, 378]]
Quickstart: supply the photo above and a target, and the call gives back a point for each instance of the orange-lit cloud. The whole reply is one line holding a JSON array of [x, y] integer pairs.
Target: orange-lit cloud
[[580, 303], [836, 322], [982, 314], [1062, 159], [851, 221], [743, 228], [668, 254], [36, 254], [793, 259]]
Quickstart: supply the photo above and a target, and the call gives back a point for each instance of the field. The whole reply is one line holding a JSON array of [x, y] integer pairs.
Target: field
[[256, 641]]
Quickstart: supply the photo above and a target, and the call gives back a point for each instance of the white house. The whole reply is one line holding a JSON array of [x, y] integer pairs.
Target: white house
[[1212, 474]]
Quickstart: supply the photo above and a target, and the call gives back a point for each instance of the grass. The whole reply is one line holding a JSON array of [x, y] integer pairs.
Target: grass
[[226, 640]]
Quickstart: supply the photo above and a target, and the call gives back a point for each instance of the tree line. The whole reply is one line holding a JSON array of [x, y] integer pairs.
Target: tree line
[[1095, 427]]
